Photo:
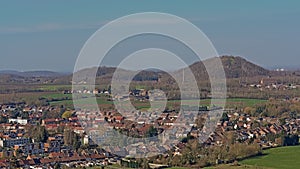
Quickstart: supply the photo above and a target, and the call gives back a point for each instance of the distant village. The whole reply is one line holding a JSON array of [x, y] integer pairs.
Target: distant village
[[273, 84]]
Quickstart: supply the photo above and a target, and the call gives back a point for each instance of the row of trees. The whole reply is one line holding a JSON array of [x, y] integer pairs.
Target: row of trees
[[196, 155], [40, 134], [72, 139], [275, 108]]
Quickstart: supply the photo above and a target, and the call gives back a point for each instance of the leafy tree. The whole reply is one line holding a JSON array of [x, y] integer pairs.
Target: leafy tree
[[67, 114], [39, 133], [57, 166], [72, 139], [290, 140], [249, 110], [3, 119], [152, 131], [224, 117], [143, 163]]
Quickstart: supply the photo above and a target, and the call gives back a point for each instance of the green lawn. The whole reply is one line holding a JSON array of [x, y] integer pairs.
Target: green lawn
[[277, 158]]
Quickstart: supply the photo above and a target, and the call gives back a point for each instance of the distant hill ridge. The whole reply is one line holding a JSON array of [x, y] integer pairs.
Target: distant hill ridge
[[32, 73], [234, 67]]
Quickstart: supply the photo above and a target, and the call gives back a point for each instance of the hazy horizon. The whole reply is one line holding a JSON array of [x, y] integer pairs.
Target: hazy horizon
[[49, 35], [287, 68]]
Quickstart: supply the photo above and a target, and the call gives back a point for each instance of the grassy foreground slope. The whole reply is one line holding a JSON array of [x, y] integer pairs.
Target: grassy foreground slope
[[277, 158]]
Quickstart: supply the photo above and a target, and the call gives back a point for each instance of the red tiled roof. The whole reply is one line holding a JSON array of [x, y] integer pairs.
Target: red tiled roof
[[3, 164], [73, 118], [119, 118]]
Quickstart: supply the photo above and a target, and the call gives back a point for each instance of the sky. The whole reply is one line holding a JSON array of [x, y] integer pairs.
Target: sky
[[48, 35]]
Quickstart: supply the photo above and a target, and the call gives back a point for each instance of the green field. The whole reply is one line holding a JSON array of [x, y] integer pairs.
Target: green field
[[54, 96], [55, 87], [53, 93], [218, 167], [57, 96], [119, 167], [102, 101], [243, 166], [277, 158]]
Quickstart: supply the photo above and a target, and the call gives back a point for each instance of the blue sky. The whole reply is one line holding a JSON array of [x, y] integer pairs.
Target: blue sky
[[48, 35]]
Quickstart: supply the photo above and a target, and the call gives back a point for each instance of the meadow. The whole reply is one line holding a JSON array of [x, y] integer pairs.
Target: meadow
[[54, 96], [277, 158], [144, 105]]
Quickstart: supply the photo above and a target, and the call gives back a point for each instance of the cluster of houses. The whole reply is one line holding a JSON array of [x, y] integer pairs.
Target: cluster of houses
[[15, 142], [139, 94], [136, 125], [274, 127], [87, 158], [273, 84], [139, 125], [85, 91], [265, 131], [251, 129]]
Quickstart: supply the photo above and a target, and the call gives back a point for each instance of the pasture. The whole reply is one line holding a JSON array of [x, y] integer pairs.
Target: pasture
[[277, 158]]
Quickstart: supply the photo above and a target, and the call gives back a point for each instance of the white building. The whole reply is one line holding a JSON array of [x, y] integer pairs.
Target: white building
[[18, 120], [13, 141]]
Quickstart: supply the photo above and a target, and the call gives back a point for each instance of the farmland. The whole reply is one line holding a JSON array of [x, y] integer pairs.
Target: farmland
[[58, 98], [143, 105]]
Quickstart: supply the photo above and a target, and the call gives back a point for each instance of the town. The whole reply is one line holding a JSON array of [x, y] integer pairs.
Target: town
[[32, 137]]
